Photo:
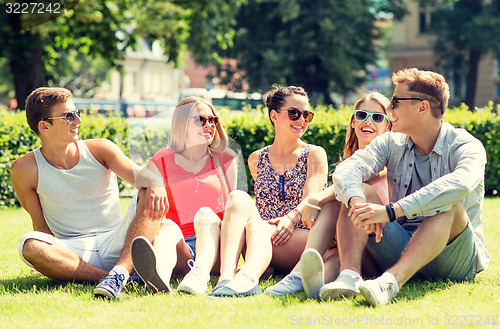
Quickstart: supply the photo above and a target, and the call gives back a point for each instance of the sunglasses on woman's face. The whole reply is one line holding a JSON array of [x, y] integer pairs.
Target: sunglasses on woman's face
[[69, 116], [201, 121], [294, 114], [377, 118]]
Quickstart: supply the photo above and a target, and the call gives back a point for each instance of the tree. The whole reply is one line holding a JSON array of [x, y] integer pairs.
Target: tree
[[322, 45], [466, 30], [36, 44]]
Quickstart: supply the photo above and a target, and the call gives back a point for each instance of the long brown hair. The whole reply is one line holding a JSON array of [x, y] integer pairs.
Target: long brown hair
[[351, 144]]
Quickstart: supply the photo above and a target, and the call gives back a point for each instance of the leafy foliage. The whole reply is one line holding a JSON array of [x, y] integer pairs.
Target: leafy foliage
[[250, 129], [103, 30], [466, 31], [322, 45]]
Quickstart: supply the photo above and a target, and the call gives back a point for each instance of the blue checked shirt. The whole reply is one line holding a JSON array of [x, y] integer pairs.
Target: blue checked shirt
[[458, 161]]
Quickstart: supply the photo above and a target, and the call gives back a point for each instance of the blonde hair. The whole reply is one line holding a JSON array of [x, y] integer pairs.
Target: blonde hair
[[219, 144], [180, 121], [429, 85], [351, 144]]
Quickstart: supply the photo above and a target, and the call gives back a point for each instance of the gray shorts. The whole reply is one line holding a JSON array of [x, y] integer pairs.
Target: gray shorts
[[102, 250], [457, 261]]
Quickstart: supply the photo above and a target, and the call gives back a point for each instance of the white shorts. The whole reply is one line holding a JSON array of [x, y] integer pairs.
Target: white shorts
[[102, 250]]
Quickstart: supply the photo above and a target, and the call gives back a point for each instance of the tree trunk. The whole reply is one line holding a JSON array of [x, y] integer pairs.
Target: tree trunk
[[26, 64], [470, 94]]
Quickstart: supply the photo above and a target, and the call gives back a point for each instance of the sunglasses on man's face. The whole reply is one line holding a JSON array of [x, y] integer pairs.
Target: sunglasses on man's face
[[201, 121], [395, 100], [294, 114], [69, 116], [376, 117]]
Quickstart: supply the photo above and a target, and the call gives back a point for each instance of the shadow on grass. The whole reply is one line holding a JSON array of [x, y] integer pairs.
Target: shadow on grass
[[32, 283], [42, 284], [417, 289]]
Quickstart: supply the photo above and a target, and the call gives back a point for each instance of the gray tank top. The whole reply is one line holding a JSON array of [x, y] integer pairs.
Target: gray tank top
[[80, 201]]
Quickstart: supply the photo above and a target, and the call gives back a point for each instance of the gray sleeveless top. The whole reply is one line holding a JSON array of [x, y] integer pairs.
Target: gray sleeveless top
[[80, 201]]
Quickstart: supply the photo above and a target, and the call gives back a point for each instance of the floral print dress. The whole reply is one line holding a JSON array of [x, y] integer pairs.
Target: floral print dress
[[276, 195]]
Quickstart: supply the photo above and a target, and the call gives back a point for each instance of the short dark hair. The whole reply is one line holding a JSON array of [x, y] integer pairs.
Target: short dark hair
[[275, 98], [40, 102]]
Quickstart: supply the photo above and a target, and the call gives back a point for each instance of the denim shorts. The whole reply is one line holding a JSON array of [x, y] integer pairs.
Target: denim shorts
[[102, 250], [457, 261], [191, 242]]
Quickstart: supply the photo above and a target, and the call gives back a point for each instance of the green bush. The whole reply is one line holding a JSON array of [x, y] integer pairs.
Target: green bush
[[250, 128], [16, 139]]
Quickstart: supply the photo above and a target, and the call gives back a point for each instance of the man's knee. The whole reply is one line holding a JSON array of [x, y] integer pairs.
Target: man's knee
[[32, 249]]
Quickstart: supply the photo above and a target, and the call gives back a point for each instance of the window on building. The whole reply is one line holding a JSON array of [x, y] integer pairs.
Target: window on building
[[147, 82], [133, 81], [457, 80], [496, 80], [424, 20]]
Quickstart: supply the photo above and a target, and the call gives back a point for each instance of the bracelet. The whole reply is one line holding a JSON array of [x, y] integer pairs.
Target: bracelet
[[313, 206], [296, 214], [391, 212]]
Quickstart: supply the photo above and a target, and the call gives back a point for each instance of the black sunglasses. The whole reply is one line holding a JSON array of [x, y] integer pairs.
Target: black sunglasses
[[69, 116], [201, 121], [395, 100], [376, 117], [294, 114]]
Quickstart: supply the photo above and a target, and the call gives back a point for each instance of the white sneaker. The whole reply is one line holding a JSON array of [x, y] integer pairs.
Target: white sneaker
[[344, 286], [380, 291], [312, 272], [196, 281]]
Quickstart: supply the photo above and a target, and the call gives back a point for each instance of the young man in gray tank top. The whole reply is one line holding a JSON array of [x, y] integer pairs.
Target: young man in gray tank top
[[433, 226], [70, 190]]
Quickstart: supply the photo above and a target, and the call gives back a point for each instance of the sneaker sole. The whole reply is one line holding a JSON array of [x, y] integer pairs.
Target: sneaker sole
[[312, 272], [189, 290], [103, 293], [335, 294], [368, 295], [144, 261]]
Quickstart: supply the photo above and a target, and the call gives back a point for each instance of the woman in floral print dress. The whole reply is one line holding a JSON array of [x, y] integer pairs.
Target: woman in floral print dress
[[270, 231]]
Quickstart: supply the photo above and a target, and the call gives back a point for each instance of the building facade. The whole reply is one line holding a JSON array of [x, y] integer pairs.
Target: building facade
[[413, 46]]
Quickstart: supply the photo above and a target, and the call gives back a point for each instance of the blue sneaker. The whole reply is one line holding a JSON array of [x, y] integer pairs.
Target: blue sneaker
[[110, 286], [290, 284], [228, 292], [134, 278]]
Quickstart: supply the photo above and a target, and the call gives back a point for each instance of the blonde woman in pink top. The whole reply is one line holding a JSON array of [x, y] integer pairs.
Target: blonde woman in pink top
[[199, 171]]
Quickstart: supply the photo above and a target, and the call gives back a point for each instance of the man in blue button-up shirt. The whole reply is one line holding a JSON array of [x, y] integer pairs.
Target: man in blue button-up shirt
[[432, 227]]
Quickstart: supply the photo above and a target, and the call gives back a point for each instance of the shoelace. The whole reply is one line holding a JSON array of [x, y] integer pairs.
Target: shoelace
[[191, 264], [386, 286], [291, 279], [117, 282], [195, 270]]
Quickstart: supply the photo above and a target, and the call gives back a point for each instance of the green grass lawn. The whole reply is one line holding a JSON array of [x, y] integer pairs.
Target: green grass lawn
[[29, 300]]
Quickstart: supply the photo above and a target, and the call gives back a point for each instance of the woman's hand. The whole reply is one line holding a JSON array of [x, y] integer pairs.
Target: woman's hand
[[284, 230], [310, 212]]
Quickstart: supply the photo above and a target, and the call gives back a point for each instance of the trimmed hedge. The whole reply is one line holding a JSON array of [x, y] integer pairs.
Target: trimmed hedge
[[251, 129]]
